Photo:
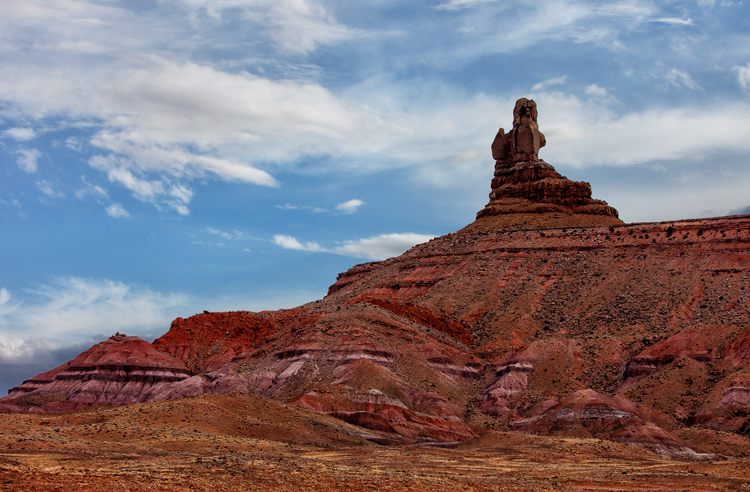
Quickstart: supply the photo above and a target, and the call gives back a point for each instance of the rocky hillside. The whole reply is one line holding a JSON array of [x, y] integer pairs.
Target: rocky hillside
[[633, 333]]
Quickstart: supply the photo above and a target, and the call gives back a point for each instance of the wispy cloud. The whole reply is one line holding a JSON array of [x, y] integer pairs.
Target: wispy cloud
[[595, 91], [374, 248], [161, 190], [4, 300], [308, 208], [681, 21], [295, 26], [68, 309], [229, 236], [381, 247], [46, 188], [162, 115], [90, 189], [549, 82], [43, 327], [14, 349], [681, 79], [501, 27]]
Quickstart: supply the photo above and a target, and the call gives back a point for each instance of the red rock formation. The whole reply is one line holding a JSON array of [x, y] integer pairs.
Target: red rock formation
[[207, 341], [119, 370], [587, 413], [527, 192]]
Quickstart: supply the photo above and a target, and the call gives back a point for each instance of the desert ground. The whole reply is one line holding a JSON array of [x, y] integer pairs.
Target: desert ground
[[247, 442]]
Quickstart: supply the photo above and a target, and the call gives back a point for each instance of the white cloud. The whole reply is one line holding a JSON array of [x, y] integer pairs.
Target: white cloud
[[349, 207], [14, 349], [20, 134], [289, 242], [56, 321], [27, 160], [373, 248], [599, 94], [300, 26], [595, 91], [75, 307], [161, 190], [181, 119], [581, 134], [162, 122], [462, 4], [676, 20], [381, 247], [43, 327], [155, 115], [743, 76], [117, 211], [501, 27]]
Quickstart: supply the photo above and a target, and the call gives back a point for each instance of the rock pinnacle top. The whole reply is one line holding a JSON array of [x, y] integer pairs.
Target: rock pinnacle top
[[527, 193]]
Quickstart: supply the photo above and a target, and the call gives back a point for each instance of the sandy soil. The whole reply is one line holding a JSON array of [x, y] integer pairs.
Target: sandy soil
[[245, 442]]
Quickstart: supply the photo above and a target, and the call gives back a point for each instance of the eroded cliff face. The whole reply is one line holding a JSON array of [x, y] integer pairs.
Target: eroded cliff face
[[655, 313], [633, 333]]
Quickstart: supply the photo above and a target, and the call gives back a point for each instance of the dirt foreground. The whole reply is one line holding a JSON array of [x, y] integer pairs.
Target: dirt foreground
[[245, 442]]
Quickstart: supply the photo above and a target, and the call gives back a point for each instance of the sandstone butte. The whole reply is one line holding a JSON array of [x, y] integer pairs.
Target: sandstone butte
[[546, 315]]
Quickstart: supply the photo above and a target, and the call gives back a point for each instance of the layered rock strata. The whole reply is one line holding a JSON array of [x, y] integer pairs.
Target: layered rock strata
[[117, 371]]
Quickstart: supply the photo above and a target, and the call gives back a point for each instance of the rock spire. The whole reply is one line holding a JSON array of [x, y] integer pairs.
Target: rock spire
[[527, 193]]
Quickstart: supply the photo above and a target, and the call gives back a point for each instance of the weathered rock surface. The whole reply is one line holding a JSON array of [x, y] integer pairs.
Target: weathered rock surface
[[117, 371], [587, 413], [527, 192], [207, 341], [362, 349], [655, 313]]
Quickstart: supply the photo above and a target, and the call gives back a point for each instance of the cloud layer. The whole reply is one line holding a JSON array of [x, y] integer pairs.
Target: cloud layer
[[162, 113]]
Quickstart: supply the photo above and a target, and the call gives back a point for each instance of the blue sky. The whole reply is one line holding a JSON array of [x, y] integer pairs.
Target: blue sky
[[159, 158]]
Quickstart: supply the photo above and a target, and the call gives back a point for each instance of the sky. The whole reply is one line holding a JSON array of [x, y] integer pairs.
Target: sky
[[160, 158]]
